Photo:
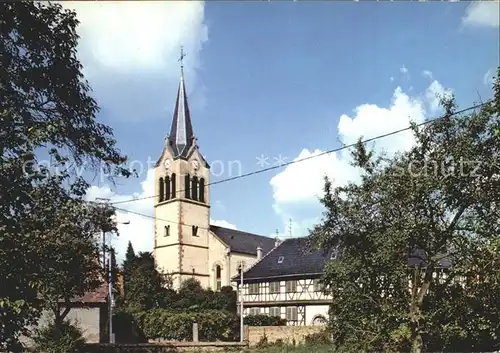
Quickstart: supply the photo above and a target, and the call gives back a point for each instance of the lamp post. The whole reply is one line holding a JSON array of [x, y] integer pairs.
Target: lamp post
[[110, 282]]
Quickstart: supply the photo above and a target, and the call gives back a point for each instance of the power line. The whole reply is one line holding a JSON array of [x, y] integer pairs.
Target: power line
[[157, 218], [318, 155]]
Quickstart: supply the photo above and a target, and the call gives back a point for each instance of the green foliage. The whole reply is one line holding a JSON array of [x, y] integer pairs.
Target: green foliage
[[212, 325], [64, 338], [126, 328], [128, 265], [46, 109], [441, 197], [146, 287], [263, 320], [318, 338], [192, 297]]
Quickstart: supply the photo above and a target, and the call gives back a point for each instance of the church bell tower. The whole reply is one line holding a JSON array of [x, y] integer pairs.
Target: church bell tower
[[182, 210]]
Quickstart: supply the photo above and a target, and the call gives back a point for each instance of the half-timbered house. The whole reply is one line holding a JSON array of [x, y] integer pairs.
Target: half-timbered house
[[286, 283]]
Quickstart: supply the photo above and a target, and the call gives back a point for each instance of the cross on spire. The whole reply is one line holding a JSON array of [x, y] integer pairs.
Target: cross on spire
[[181, 58]]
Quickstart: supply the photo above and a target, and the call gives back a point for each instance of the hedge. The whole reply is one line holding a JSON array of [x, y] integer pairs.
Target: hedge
[[213, 325], [263, 320]]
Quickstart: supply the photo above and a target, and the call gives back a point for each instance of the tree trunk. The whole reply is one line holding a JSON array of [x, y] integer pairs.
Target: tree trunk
[[417, 343]]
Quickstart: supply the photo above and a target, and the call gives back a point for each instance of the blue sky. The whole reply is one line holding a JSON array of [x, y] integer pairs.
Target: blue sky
[[275, 78]]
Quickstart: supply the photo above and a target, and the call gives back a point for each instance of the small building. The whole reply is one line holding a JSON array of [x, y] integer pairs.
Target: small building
[[89, 313], [286, 283]]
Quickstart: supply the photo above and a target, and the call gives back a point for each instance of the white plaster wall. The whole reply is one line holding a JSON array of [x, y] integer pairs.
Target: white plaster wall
[[87, 319], [313, 311]]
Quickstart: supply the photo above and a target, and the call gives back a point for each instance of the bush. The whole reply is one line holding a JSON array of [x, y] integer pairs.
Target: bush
[[66, 338], [263, 320], [213, 325], [318, 338], [126, 328]]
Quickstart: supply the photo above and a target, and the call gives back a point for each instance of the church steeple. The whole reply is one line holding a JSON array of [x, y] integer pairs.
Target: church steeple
[[181, 132]]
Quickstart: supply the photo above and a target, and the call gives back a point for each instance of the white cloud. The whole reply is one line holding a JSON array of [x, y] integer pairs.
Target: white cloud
[[489, 77], [130, 49], [391, 78], [427, 74], [135, 35], [434, 93], [298, 187], [222, 223], [403, 70], [140, 230], [482, 14]]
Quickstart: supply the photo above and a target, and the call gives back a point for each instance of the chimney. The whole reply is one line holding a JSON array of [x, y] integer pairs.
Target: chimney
[[276, 242], [259, 253]]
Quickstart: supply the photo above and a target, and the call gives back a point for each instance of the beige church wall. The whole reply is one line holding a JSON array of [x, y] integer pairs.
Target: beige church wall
[[236, 259], [217, 256], [194, 214], [164, 213], [167, 259]]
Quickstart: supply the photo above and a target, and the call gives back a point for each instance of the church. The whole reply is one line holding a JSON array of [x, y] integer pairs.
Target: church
[[186, 245]]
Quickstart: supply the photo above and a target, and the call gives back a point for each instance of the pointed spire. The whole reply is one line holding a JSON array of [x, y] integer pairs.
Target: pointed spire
[[181, 131]]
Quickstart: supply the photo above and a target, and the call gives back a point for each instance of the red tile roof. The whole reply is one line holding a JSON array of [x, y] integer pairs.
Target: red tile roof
[[99, 295]]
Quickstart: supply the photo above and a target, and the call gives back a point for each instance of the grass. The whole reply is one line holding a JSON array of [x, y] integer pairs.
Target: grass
[[294, 349]]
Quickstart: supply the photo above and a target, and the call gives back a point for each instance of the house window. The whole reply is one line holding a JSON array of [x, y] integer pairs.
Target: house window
[[291, 314], [280, 259], [254, 311], [274, 287], [318, 285], [166, 231], [195, 231], [291, 286], [275, 311], [253, 288], [218, 281]]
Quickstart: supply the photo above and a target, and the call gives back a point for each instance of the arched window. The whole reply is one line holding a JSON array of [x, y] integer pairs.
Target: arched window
[[194, 188], [167, 187], [173, 186], [166, 231], [202, 190], [187, 194], [218, 277], [161, 192]]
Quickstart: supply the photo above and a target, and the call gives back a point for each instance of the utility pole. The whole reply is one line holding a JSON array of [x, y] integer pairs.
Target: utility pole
[[110, 295], [290, 228], [242, 331], [109, 276], [104, 202]]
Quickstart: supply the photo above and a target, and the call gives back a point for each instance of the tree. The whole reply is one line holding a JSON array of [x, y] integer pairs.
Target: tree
[[46, 110], [146, 287], [435, 204], [128, 265], [114, 267], [192, 297], [70, 266]]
